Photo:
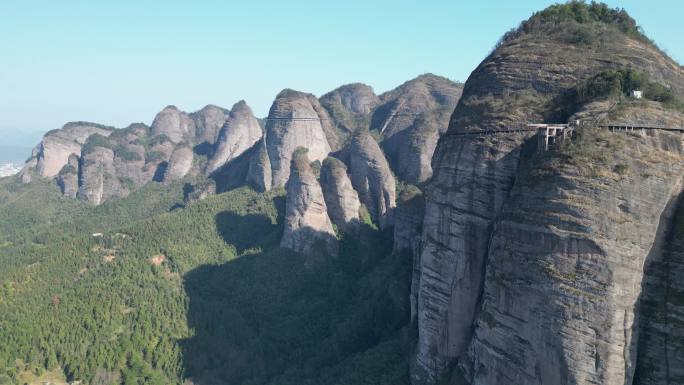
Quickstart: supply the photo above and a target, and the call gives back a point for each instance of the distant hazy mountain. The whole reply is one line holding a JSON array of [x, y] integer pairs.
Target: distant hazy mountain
[[16, 145], [14, 154], [7, 169]]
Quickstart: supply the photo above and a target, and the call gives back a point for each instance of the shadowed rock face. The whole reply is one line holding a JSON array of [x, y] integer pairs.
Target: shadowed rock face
[[98, 176], [240, 131], [411, 119], [308, 229], [68, 177], [408, 227], [661, 336], [173, 123], [295, 120], [372, 178], [208, 122], [340, 197], [469, 229], [259, 172], [350, 106]]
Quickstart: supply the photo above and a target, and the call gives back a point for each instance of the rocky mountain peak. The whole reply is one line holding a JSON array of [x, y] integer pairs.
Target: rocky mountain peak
[[357, 98], [208, 122], [295, 120], [240, 132], [466, 317], [410, 120], [174, 124]]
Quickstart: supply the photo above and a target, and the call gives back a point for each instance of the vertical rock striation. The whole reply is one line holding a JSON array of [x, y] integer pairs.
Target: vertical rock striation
[[566, 262], [526, 79]]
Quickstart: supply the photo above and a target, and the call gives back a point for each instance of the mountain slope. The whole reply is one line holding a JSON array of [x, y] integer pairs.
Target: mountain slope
[[471, 307], [202, 292]]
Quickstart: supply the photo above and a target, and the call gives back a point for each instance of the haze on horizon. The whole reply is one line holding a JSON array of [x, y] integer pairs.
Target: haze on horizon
[[122, 62]]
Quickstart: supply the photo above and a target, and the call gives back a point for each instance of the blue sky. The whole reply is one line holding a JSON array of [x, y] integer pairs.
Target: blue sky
[[117, 62]]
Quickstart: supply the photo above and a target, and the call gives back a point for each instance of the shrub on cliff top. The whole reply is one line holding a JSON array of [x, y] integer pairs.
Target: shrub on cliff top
[[577, 13], [582, 13], [94, 141]]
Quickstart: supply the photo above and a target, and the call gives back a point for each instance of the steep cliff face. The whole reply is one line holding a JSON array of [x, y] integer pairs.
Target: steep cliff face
[[240, 131], [174, 124], [372, 178], [179, 164], [98, 176], [660, 358], [527, 79], [350, 106], [410, 119], [294, 121], [68, 177], [566, 260], [208, 122], [129, 156], [340, 197], [259, 174], [58, 145], [308, 229]]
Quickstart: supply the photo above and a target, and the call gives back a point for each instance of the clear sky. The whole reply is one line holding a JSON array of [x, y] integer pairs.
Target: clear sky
[[115, 62]]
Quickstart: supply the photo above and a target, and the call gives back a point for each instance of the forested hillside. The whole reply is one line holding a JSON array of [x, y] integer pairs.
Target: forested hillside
[[169, 294]]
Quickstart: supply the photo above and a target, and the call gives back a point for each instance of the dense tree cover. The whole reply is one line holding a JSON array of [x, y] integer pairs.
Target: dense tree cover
[[94, 141], [583, 13], [171, 294], [615, 85], [620, 82], [579, 22]]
